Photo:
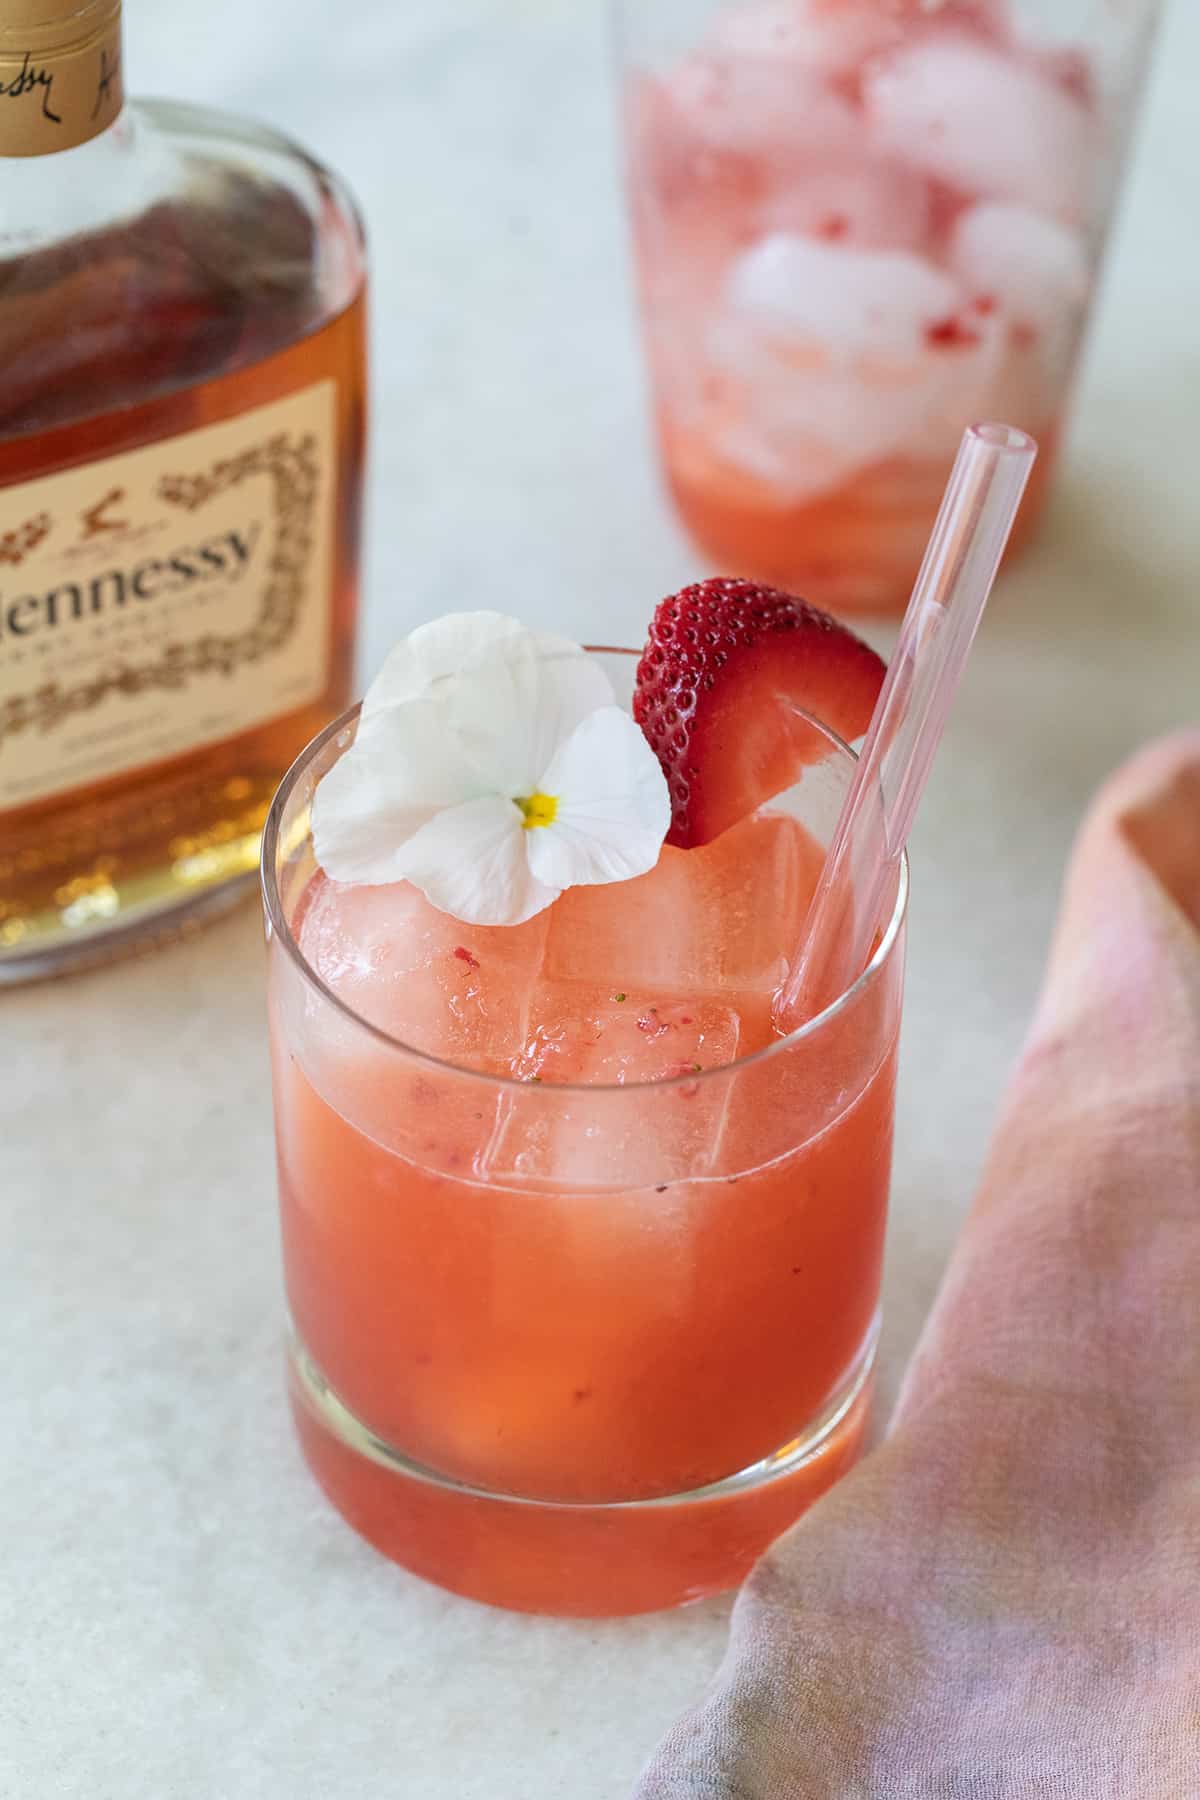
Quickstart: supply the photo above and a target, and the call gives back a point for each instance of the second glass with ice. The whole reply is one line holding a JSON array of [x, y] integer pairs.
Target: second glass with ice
[[859, 225]]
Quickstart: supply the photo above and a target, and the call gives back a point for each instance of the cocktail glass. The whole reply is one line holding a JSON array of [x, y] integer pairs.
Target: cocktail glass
[[582, 1326], [860, 225]]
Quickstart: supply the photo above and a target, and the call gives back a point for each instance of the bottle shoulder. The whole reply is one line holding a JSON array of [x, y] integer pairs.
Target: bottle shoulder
[[183, 244], [199, 147]]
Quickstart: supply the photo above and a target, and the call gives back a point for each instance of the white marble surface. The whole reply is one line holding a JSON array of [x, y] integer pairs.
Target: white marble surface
[[181, 1615]]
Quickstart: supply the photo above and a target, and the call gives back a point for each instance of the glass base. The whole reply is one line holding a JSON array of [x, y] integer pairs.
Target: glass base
[[139, 922], [571, 1559]]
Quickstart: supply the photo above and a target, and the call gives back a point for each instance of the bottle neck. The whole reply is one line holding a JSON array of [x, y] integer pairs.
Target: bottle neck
[[60, 74]]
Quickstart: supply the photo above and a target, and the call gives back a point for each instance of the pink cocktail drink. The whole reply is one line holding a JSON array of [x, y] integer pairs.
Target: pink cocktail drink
[[862, 225], [582, 1258]]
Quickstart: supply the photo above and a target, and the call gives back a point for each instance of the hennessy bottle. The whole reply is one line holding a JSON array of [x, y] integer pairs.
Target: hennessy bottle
[[181, 449]]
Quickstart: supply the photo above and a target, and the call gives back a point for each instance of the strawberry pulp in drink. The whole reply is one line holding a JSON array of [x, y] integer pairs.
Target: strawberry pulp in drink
[[596, 1294]]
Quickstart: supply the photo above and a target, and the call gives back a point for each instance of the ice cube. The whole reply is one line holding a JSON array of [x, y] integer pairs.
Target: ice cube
[[579, 1032], [454, 991], [845, 358], [644, 1115], [836, 36], [724, 917], [827, 303], [983, 121], [831, 36], [864, 202], [1033, 268], [767, 108]]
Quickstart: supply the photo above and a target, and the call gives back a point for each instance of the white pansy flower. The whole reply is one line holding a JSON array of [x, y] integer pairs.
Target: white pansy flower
[[492, 769]]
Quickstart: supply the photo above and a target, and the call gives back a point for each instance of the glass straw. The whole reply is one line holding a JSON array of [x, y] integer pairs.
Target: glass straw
[[863, 861]]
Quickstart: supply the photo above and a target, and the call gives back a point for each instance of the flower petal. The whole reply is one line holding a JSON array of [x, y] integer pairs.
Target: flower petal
[[512, 708], [403, 767], [471, 861], [470, 713], [512, 695], [571, 685], [420, 664], [613, 805]]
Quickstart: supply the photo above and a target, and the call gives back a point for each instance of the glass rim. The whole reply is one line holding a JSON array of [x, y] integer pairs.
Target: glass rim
[[281, 928]]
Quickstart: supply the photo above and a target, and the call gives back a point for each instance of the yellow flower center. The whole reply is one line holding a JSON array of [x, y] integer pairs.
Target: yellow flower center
[[538, 809]]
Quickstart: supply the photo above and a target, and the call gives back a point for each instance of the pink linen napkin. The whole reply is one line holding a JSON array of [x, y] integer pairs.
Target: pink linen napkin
[[1003, 1602]]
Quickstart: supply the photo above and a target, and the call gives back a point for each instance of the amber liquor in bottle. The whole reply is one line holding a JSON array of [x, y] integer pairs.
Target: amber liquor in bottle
[[181, 448]]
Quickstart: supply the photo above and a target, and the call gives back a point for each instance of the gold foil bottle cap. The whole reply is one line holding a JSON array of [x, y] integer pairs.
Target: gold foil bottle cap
[[46, 22], [60, 73]]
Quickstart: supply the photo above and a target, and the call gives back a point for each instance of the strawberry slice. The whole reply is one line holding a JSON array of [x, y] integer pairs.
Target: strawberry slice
[[726, 666]]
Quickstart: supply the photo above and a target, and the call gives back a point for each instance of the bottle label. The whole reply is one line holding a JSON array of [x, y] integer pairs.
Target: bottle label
[[167, 597], [60, 82]]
